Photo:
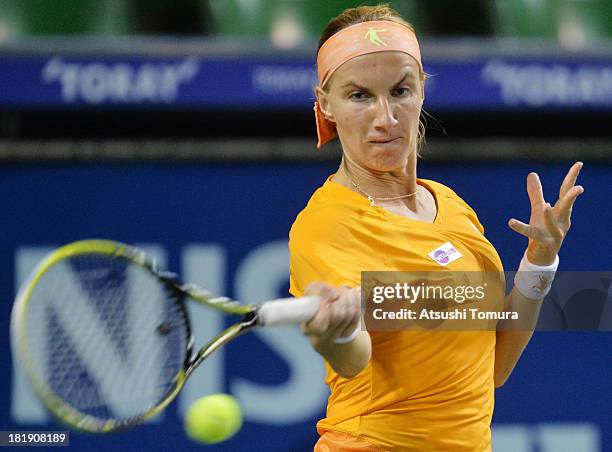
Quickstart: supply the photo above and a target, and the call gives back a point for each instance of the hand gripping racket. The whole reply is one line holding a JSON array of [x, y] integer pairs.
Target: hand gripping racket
[[105, 339]]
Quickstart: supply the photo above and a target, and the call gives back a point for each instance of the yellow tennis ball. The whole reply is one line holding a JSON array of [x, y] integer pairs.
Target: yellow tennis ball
[[213, 419]]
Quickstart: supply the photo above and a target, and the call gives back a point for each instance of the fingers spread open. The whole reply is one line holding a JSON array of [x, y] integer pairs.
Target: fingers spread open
[[566, 203], [570, 179], [523, 229], [534, 189], [551, 223]]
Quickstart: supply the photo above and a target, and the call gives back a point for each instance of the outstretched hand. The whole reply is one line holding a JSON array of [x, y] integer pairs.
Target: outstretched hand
[[548, 225]]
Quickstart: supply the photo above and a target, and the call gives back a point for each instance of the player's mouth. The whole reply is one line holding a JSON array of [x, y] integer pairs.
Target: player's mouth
[[385, 140]]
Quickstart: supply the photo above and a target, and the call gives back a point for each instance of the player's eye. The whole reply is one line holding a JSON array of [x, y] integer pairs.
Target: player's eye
[[401, 92], [358, 95]]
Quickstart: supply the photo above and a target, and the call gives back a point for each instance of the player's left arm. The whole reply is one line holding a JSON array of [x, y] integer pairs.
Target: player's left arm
[[548, 226]]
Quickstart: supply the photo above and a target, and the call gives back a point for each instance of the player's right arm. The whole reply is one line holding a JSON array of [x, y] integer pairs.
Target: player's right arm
[[339, 315]]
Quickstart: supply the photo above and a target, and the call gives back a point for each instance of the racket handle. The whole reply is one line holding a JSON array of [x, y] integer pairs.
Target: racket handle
[[288, 311]]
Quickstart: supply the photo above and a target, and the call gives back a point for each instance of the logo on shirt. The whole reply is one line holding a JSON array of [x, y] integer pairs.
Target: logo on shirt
[[445, 254]]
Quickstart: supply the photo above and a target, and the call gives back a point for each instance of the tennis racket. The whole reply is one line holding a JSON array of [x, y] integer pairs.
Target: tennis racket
[[105, 338]]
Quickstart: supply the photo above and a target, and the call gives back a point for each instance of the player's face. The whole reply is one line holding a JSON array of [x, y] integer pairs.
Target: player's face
[[375, 101]]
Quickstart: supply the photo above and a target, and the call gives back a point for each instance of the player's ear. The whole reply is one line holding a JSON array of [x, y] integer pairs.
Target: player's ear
[[323, 101]]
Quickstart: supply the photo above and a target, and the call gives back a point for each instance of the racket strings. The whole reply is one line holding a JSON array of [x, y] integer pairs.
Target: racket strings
[[106, 335]]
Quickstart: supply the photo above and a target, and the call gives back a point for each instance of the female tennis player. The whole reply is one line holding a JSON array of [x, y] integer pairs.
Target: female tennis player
[[402, 390]]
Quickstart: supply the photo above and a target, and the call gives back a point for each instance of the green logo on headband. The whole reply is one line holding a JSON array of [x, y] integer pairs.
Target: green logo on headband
[[372, 35]]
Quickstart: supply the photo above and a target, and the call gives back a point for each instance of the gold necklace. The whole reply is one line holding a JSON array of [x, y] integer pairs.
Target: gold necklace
[[373, 199]]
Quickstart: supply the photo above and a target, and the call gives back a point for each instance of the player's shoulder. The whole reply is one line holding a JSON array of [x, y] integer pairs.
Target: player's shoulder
[[444, 192], [319, 219], [440, 189], [454, 204]]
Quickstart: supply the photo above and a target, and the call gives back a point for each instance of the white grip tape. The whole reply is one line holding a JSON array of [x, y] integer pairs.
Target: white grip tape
[[288, 311]]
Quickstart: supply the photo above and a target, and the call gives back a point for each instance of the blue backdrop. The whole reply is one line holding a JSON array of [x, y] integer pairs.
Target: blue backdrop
[[233, 221], [285, 81]]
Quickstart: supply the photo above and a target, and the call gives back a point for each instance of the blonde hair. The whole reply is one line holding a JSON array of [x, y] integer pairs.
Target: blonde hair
[[361, 14]]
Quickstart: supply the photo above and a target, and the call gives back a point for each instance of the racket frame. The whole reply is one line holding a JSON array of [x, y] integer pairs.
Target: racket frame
[[180, 292]]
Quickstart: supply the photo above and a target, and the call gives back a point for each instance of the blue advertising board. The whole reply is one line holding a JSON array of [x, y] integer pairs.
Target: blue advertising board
[[225, 227], [195, 82]]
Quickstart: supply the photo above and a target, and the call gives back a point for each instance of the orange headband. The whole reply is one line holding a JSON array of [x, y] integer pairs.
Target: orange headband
[[356, 40]]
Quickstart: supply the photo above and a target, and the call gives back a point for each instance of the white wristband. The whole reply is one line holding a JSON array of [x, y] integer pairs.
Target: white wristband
[[347, 339], [534, 281]]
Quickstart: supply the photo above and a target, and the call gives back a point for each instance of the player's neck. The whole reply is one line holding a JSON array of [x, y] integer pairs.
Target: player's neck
[[378, 184]]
